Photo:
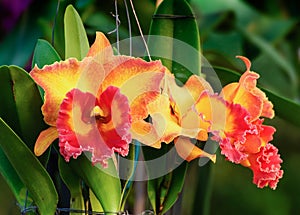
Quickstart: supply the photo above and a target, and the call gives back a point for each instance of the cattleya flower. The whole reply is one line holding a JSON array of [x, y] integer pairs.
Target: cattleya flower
[[248, 144], [173, 117], [233, 117], [90, 104]]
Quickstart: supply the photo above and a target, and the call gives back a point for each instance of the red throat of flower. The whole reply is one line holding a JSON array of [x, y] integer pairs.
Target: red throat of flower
[[100, 126]]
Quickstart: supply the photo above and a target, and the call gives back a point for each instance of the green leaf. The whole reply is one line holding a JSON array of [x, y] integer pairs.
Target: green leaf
[[29, 169], [76, 41], [17, 46], [175, 186], [284, 108], [273, 55], [129, 168], [96, 206], [44, 54], [103, 182], [174, 38], [164, 191], [21, 104], [73, 182], [13, 180]]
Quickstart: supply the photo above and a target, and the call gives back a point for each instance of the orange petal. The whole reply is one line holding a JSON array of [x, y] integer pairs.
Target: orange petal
[[212, 110], [56, 80], [184, 97], [189, 151], [248, 95], [44, 140], [139, 80], [91, 77], [145, 133], [101, 49], [163, 125], [191, 126]]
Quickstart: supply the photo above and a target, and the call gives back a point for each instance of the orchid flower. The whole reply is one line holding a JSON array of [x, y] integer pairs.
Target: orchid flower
[[90, 104], [249, 145], [173, 118]]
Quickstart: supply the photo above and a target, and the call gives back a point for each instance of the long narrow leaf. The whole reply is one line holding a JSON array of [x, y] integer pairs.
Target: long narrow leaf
[[29, 169], [106, 186], [13, 180], [76, 41], [73, 182], [20, 103]]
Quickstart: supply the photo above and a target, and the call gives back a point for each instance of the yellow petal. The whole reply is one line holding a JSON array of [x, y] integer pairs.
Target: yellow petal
[[191, 126], [189, 151], [184, 97], [139, 80], [248, 95], [56, 80], [44, 140], [101, 49], [163, 127], [145, 133], [212, 110]]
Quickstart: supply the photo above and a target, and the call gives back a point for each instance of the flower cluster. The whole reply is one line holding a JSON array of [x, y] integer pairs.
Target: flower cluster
[[101, 103]]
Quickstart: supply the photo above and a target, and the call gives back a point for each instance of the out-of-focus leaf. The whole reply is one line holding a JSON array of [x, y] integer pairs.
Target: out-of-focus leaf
[[76, 41], [29, 169], [44, 54], [17, 47], [103, 182], [284, 108], [273, 54], [259, 35], [244, 13], [228, 44], [73, 182], [102, 22], [273, 77]]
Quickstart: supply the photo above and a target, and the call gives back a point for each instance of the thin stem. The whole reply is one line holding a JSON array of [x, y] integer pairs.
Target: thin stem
[[117, 25], [129, 28], [140, 29], [54, 24]]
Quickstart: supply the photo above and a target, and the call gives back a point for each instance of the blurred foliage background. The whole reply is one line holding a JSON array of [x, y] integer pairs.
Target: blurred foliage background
[[267, 32]]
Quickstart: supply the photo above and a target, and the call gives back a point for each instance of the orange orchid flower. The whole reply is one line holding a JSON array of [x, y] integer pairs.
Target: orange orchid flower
[[90, 104], [249, 143], [172, 117]]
